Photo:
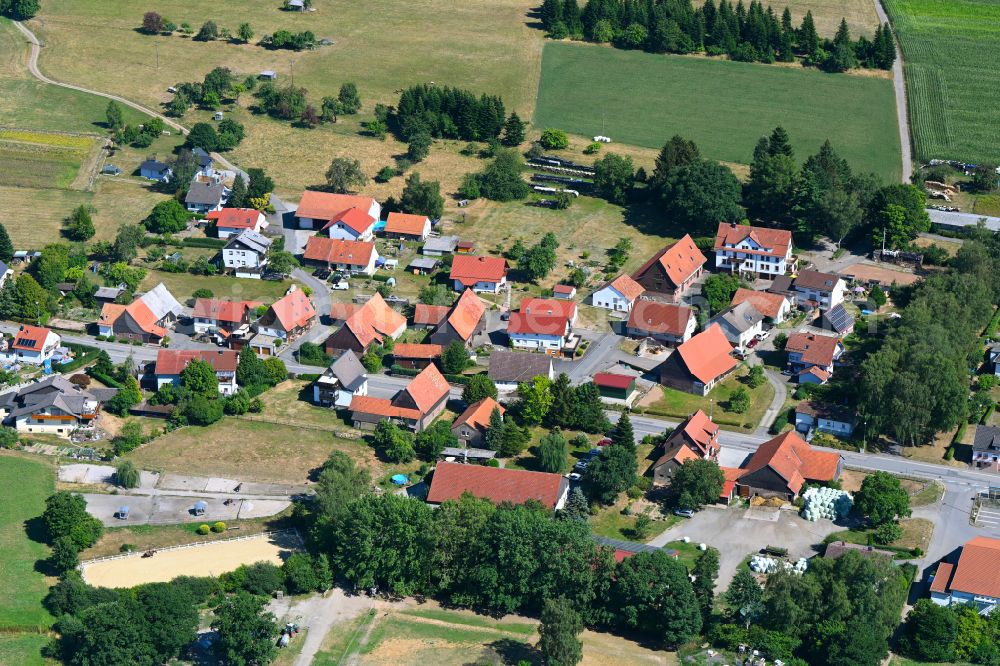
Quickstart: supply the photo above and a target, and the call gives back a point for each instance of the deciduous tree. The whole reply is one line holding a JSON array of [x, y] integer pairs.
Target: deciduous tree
[[344, 175]]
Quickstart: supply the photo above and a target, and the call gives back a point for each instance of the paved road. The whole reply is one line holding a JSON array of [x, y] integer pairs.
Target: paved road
[[902, 115], [777, 382], [945, 218]]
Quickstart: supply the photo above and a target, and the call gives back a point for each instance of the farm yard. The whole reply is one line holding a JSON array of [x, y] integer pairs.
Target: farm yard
[[951, 52], [725, 107]]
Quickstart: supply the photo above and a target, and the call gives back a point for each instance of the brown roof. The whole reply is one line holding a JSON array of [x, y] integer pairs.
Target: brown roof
[[365, 404], [517, 486], [563, 289], [231, 312], [173, 361], [325, 206], [679, 261], [477, 415], [825, 410], [793, 460], [816, 280], [466, 314], [627, 287], [374, 320], [427, 388], [978, 568], [679, 453], [31, 338], [663, 318], [706, 355], [511, 366], [764, 302], [775, 242], [414, 350], [110, 313], [293, 310], [337, 251], [470, 269], [429, 315], [815, 349], [403, 223]]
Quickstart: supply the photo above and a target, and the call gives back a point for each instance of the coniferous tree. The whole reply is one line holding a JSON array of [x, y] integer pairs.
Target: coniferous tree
[[623, 435], [513, 130], [808, 41], [6, 246]]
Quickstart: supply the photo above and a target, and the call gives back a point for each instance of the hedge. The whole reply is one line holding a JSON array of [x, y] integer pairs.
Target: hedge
[[213, 243], [379, 277], [84, 354], [104, 379], [308, 376]]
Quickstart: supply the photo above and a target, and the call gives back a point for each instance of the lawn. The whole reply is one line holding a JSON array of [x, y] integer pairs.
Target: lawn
[[951, 52], [24, 485], [916, 534], [23, 649], [725, 107], [678, 404], [183, 285], [613, 524]]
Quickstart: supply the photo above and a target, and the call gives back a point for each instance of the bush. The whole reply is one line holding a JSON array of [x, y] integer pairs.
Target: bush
[[219, 527], [887, 533], [554, 139], [203, 529]]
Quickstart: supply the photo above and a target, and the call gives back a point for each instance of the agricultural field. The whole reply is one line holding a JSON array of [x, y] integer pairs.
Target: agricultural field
[[23, 649], [951, 52], [860, 15], [46, 160], [725, 107]]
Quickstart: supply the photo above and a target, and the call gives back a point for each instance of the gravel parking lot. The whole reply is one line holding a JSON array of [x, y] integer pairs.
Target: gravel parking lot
[[163, 509]]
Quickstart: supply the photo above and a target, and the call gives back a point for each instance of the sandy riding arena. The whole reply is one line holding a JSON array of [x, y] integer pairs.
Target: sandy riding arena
[[209, 559]]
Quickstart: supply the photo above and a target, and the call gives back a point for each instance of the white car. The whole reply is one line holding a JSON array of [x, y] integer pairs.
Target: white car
[[573, 476], [340, 286], [763, 335]]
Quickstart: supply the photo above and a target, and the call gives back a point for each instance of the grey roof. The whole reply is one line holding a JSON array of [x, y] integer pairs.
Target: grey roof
[[781, 284], [741, 317], [108, 293], [161, 302], [154, 165], [3, 268], [53, 391], [423, 263], [838, 318], [252, 240], [348, 370], [987, 438], [478, 454], [204, 159], [510, 366], [441, 244], [205, 193]]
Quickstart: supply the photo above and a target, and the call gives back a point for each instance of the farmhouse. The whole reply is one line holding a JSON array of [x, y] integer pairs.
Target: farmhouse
[[974, 579], [155, 170], [837, 420], [415, 356], [773, 307], [146, 319], [232, 221], [52, 406], [33, 344], [807, 351], [824, 289], [429, 316], [670, 272], [246, 253], [471, 425], [616, 389], [407, 227], [462, 322], [481, 274], [170, 363], [371, 323], [452, 480], [666, 322], [344, 216], [509, 368], [206, 196], [288, 317], [414, 407], [753, 250], [783, 465], [740, 323], [697, 437], [618, 295], [344, 379], [699, 364], [222, 318], [342, 255]]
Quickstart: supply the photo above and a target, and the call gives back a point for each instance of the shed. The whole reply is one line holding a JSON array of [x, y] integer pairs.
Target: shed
[[422, 265], [436, 247], [268, 75], [615, 388]]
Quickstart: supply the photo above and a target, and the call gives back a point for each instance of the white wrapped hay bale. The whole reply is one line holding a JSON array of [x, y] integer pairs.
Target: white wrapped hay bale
[[825, 503]]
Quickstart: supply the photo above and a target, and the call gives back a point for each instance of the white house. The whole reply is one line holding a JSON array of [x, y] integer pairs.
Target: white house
[[548, 333], [232, 221], [170, 363], [341, 255], [823, 417], [478, 273], [824, 289], [205, 196], [53, 406], [344, 379], [246, 254], [740, 323], [509, 368], [972, 580], [33, 344], [344, 216], [757, 250], [618, 295]]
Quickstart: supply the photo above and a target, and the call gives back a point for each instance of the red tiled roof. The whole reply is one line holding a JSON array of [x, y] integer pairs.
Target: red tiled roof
[[403, 223], [730, 475], [294, 310], [764, 302], [548, 306], [30, 338], [235, 218], [110, 313], [662, 318], [427, 388], [699, 429], [374, 320], [978, 568], [230, 312], [706, 355], [794, 460], [942, 577], [145, 318], [365, 404], [429, 315], [679, 261], [477, 415], [336, 251], [621, 555], [522, 323], [173, 361], [627, 287], [466, 314], [469, 269], [775, 242], [563, 289], [325, 205], [613, 380], [517, 486], [815, 349], [352, 218], [820, 373], [414, 350], [343, 311]]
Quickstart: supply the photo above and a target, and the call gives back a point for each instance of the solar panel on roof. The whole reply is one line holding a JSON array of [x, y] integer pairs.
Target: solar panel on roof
[[839, 318]]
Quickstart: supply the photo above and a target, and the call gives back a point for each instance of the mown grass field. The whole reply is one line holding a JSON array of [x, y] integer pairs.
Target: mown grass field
[[951, 52], [860, 14], [24, 485], [43, 160], [23, 649], [644, 99]]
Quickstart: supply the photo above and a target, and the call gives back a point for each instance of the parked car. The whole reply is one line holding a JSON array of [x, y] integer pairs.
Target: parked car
[[763, 334], [573, 476], [581, 465], [321, 273], [684, 513], [340, 286]]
